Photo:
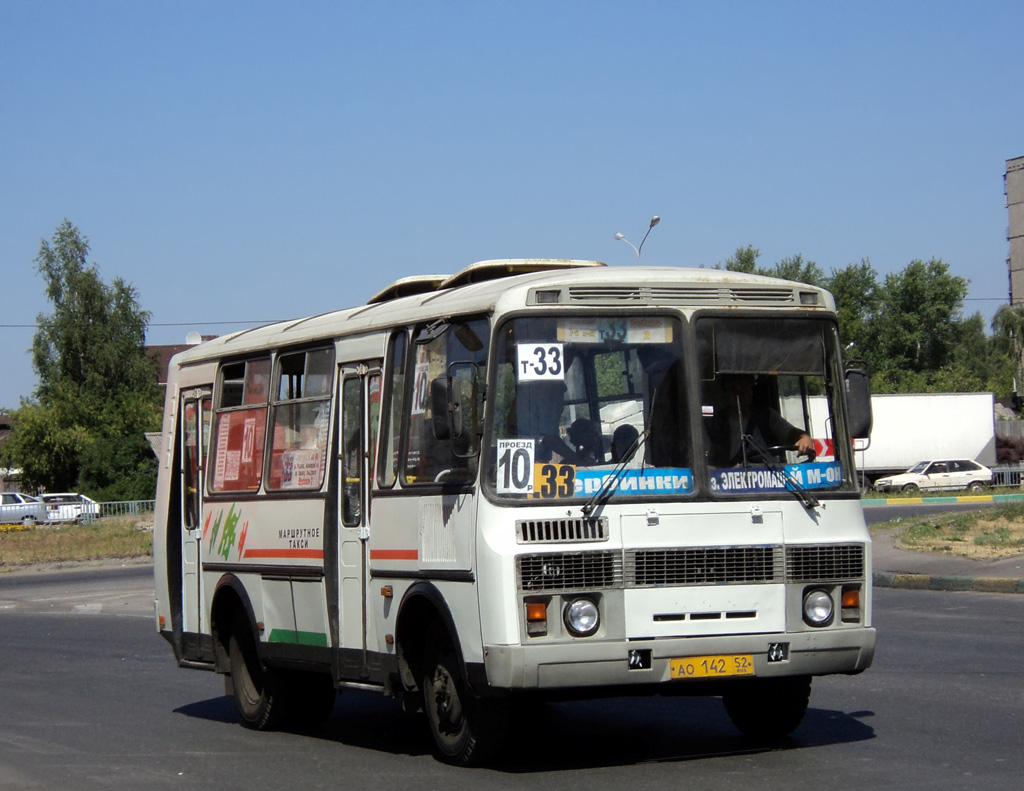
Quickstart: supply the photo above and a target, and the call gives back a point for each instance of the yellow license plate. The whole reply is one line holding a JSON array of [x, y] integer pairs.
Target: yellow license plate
[[712, 666]]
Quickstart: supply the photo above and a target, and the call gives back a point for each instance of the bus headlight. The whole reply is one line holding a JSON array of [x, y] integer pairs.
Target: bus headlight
[[582, 617], [818, 607]]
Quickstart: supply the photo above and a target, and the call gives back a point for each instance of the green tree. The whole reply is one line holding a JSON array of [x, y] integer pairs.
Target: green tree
[[858, 297], [984, 360], [97, 393], [1008, 332], [1008, 341], [792, 268], [744, 260], [918, 324], [795, 268], [910, 329]]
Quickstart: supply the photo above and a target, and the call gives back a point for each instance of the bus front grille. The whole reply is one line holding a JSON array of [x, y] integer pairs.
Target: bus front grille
[[822, 562], [568, 571], [550, 531], [680, 566], [647, 568]]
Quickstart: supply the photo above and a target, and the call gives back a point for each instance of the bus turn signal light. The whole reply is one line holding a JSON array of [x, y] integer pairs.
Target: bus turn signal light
[[536, 618], [851, 611]]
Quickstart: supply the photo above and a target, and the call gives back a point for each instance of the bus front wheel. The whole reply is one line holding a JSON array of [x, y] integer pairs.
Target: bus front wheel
[[768, 709], [258, 692], [465, 728]]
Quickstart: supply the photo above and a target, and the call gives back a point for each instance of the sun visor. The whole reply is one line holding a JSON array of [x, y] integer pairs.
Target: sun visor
[[763, 346]]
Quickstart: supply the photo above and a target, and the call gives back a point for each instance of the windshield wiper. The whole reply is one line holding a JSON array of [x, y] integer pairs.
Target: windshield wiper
[[807, 500], [612, 480]]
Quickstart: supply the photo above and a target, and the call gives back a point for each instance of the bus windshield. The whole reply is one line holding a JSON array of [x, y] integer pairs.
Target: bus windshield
[[770, 405], [580, 400]]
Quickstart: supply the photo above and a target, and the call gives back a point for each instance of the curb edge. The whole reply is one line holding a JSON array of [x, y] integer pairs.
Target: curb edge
[[888, 579]]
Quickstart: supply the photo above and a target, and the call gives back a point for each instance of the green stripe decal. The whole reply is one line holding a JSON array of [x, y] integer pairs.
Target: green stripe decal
[[297, 637]]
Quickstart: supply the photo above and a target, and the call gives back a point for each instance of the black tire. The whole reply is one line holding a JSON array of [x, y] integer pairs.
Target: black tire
[[29, 521], [911, 487], [258, 691], [768, 709], [466, 729], [976, 486]]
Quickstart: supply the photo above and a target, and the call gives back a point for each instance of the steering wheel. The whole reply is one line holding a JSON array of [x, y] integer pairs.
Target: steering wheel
[[778, 449]]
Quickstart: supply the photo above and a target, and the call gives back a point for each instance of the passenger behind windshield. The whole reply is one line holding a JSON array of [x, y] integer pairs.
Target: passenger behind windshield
[[745, 410]]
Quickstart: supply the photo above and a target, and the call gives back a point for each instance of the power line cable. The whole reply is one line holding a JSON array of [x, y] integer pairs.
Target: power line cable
[[171, 323]]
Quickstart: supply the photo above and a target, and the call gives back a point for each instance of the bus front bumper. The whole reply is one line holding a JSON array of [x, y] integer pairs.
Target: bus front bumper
[[649, 662]]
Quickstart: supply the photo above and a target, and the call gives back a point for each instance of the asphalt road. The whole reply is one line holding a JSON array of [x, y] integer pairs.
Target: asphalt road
[[91, 698], [876, 514]]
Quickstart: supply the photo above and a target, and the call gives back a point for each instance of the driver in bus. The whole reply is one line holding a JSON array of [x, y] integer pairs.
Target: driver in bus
[[765, 426]]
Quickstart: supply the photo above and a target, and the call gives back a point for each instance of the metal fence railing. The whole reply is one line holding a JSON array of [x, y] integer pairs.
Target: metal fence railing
[[1008, 476], [121, 509], [128, 508]]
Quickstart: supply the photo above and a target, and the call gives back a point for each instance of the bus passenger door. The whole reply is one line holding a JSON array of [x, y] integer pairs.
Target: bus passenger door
[[360, 387], [195, 440]]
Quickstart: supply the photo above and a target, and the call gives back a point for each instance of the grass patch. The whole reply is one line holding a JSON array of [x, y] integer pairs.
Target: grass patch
[[991, 533], [102, 540]]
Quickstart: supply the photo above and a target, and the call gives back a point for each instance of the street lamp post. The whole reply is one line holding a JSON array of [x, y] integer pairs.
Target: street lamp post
[[654, 221]]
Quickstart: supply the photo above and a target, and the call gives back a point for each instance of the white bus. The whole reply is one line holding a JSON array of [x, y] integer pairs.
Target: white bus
[[533, 479]]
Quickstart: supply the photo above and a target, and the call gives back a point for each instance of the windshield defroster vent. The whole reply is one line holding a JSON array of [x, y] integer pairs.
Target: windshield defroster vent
[[679, 295]]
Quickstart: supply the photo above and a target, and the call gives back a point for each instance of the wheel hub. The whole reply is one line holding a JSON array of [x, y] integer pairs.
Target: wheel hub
[[446, 702]]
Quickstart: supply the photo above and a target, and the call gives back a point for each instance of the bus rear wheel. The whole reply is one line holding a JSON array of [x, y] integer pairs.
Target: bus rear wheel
[[465, 728], [258, 691], [768, 709]]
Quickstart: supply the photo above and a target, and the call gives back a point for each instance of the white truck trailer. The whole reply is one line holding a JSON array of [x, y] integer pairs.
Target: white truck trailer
[[914, 427]]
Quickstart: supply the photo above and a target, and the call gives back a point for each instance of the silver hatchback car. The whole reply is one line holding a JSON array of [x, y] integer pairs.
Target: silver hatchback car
[[17, 508]]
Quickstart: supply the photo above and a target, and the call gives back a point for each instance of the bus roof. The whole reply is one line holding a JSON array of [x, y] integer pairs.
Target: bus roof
[[474, 273], [509, 283], [407, 287]]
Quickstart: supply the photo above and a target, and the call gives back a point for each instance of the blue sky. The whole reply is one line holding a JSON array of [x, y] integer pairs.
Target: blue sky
[[241, 162]]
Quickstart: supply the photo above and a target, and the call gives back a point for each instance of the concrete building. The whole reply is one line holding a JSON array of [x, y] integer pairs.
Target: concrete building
[[1013, 187]]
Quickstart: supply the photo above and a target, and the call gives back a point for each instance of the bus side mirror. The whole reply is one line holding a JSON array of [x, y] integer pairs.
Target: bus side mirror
[[858, 402], [446, 407]]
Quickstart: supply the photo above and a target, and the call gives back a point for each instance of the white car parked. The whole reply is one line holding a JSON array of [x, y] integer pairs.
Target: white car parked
[[69, 507], [937, 475], [25, 509]]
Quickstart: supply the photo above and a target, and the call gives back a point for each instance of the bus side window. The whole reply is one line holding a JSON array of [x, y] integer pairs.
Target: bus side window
[[374, 391], [301, 420], [240, 426], [351, 450], [459, 350], [392, 416]]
